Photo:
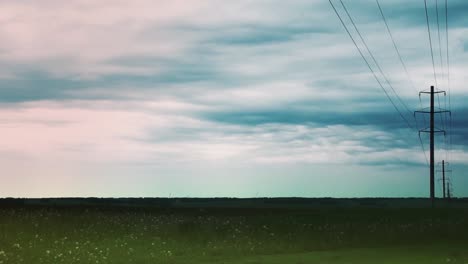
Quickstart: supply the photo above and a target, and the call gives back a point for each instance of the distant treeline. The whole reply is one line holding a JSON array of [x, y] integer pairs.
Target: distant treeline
[[293, 202]]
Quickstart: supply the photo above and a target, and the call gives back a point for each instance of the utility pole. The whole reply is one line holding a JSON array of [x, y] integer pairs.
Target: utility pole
[[431, 130], [445, 178], [448, 190]]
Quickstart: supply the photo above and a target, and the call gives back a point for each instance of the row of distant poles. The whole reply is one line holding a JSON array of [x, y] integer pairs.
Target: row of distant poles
[[383, 81], [445, 179]]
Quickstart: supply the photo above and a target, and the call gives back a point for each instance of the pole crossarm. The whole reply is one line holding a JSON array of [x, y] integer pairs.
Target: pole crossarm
[[435, 112], [428, 130], [435, 92], [428, 108], [446, 163], [442, 180]]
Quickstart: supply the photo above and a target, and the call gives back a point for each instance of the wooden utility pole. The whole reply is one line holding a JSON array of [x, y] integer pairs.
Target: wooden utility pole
[[431, 130], [432, 147], [443, 177], [448, 190]]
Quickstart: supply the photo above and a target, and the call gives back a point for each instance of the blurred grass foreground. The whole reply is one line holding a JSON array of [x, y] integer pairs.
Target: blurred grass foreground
[[98, 233]]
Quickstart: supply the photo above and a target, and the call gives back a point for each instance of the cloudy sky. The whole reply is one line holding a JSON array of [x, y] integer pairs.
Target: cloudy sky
[[224, 98]]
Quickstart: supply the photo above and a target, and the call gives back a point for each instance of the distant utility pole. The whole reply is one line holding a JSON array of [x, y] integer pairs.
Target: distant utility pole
[[448, 191], [444, 177], [431, 132]]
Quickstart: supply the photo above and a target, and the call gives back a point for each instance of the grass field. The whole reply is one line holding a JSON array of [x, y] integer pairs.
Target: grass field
[[117, 235]]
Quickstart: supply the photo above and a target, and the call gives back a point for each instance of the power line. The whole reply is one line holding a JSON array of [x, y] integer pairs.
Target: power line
[[432, 53], [438, 35], [430, 42], [441, 63], [424, 151], [373, 72], [373, 58], [448, 76], [399, 55], [406, 71], [444, 120], [395, 46], [445, 135], [370, 68]]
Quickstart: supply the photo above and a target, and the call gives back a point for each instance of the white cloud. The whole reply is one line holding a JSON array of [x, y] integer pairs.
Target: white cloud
[[159, 67]]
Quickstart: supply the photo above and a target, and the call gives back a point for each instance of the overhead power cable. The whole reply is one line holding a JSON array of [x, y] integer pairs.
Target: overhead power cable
[[438, 35], [407, 74], [430, 42], [448, 75], [399, 55], [373, 58], [372, 71], [423, 150], [368, 65], [444, 119], [432, 52], [441, 63], [395, 46]]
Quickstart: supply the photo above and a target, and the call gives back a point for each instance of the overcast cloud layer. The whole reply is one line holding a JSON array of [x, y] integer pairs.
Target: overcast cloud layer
[[223, 98]]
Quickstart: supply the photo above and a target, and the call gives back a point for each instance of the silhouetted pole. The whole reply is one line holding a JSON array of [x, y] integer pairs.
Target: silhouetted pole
[[448, 190], [431, 133], [443, 177]]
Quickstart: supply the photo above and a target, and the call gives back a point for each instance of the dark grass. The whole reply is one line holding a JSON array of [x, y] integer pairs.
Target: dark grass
[[108, 234]]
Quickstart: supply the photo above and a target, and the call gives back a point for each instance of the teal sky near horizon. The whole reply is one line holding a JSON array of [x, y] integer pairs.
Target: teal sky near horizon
[[242, 98]]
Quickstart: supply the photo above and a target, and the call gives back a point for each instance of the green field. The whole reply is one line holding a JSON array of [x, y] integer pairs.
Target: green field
[[123, 235]]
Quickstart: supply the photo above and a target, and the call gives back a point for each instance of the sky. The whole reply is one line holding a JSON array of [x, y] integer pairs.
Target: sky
[[248, 98]]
